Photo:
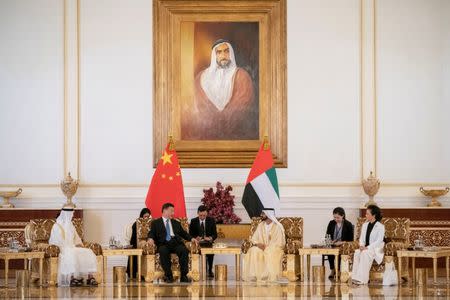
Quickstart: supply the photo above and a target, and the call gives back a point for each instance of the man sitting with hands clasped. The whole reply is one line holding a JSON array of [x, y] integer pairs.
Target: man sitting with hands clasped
[[168, 234]]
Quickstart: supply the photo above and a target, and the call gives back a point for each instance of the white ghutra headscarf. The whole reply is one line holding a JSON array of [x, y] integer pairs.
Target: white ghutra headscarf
[[217, 82], [69, 236], [270, 213]]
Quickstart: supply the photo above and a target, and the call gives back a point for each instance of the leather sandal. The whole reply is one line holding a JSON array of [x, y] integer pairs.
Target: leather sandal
[[76, 282], [91, 281]]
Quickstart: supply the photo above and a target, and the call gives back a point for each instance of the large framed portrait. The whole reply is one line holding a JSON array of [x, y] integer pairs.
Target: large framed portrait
[[220, 80]]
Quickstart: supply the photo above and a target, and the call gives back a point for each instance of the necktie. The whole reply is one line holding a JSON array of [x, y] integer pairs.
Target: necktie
[[202, 227], [168, 237]]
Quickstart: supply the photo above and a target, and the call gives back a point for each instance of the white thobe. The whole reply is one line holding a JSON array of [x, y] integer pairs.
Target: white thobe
[[72, 261], [265, 265]]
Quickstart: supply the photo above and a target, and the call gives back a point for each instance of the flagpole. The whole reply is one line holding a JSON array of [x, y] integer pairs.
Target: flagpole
[[171, 143], [266, 142]]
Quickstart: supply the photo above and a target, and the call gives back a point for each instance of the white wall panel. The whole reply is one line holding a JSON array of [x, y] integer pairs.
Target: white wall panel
[[412, 89], [31, 91], [323, 91], [115, 91]]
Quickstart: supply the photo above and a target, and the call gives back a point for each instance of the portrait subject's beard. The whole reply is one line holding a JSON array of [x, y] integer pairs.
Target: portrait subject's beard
[[224, 63], [264, 218]]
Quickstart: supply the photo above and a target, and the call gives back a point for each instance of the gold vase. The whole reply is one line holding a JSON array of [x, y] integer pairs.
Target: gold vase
[[434, 194], [69, 188], [6, 196], [371, 185]]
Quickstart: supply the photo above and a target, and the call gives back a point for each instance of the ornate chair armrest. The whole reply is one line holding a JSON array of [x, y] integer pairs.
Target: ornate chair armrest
[[95, 247], [292, 246], [348, 248], [49, 250], [246, 245], [390, 248], [192, 247], [147, 249]]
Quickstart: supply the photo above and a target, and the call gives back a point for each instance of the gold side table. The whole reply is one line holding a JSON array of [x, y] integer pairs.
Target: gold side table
[[317, 251], [7, 256], [122, 252], [225, 251], [433, 254]]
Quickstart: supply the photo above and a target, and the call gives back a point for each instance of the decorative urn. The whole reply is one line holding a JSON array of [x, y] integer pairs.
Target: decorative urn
[[69, 188], [434, 194], [9, 194], [371, 185]]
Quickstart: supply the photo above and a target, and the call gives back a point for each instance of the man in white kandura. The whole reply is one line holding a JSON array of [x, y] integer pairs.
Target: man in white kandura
[[371, 245], [263, 261], [74, 261]]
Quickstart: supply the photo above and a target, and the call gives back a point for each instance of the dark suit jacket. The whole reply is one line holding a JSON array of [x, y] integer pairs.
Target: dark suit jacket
[[210, 228], [158, 232], [347, 230]]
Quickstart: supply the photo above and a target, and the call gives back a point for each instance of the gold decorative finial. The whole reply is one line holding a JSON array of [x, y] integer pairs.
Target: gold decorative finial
[[266, 142], [171, 143]]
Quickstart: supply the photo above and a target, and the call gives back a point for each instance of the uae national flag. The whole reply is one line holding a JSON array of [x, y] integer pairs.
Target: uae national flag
[[261, 189], [166, 185]]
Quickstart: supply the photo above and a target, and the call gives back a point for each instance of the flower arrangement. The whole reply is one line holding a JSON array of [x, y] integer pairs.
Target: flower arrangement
[[220, 204]]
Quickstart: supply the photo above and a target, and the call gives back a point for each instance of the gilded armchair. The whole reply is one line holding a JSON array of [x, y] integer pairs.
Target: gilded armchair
[[38, 233], [396, 238], [151, 267], [293, 228]]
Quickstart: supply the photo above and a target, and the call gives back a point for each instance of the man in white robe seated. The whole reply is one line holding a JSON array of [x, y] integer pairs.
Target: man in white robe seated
[[74, 262], [263, 261]]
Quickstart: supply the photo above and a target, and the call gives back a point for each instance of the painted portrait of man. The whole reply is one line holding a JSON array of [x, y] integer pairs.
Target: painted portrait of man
[[225, 104]]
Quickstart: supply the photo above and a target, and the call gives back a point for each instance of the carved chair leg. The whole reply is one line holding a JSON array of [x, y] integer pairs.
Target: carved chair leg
[[53, 266], [194, 272], [291, 271], [345, 268], [99, 275], [148, 267]]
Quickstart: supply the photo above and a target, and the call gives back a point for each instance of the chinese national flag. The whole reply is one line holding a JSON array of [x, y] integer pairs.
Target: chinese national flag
[[166, 185]]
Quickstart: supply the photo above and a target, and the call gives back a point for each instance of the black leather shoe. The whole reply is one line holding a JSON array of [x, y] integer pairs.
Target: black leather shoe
[[185, 279], [210, 274], [168, 279]]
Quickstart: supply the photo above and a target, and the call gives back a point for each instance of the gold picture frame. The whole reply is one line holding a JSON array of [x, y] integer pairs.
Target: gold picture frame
[[172, 88]]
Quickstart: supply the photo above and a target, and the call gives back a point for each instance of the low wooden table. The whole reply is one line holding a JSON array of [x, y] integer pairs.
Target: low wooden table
[[122, 252], [226, 251], [7, 256], [433, 254], [317, 251]]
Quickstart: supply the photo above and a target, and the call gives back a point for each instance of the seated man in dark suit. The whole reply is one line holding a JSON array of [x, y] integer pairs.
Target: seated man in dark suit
[[203, 228], [168, 235]]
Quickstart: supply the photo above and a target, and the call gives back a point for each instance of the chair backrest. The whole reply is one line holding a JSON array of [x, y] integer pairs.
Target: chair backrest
[[293, 227], [127, 232], [396, 229], [40, 229], [143, 227]]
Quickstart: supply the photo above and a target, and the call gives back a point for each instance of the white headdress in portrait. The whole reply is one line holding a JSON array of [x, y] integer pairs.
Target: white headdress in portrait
[[217, 82]]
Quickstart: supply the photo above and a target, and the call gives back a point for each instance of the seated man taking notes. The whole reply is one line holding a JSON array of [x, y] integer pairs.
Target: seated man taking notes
[[203, 228]]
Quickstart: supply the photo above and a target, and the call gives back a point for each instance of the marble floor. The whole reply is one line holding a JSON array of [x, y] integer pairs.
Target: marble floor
[[232, 290]]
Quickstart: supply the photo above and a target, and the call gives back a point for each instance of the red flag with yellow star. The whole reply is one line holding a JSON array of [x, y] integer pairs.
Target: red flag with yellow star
[[166, 185]]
